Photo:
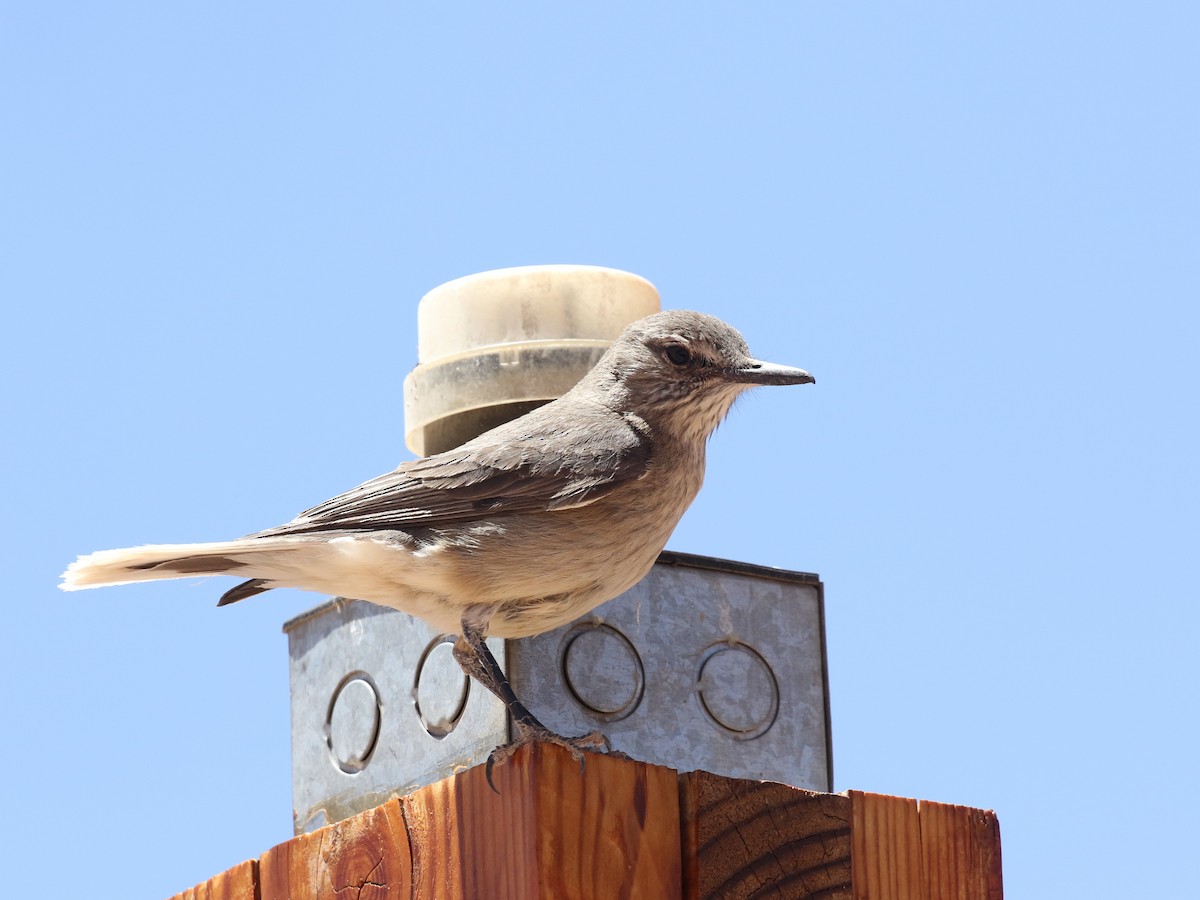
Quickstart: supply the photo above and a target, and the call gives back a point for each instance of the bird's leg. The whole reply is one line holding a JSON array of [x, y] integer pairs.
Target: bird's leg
[[473, 655], [477, 661]]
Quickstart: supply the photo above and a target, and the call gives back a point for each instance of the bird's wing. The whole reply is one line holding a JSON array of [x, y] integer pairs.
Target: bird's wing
[[532, 464]]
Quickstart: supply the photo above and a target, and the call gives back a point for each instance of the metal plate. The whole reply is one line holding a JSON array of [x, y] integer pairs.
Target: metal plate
[[706, 664]]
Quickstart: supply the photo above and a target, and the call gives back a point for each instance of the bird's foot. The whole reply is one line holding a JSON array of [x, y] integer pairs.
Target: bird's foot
[[593, 742]]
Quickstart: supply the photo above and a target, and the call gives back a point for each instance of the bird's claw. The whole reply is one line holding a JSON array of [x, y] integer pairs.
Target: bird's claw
[[593, 742]]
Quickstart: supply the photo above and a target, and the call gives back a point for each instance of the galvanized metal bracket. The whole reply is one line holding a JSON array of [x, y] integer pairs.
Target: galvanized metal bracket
[[706, 664]]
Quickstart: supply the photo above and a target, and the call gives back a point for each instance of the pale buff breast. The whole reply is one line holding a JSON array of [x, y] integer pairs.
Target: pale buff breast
[[538, 571]]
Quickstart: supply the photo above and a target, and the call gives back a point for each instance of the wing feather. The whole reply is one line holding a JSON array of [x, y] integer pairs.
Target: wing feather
[[546, 460]]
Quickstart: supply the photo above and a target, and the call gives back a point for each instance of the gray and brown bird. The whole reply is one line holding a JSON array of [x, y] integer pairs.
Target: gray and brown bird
[[518, 531]]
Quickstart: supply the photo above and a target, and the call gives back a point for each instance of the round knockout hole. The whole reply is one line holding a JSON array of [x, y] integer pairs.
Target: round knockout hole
[[737, 689], [602, 671], [440, 688], [352, 722]]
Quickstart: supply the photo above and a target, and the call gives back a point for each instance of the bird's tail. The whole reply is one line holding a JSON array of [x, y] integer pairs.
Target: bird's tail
[[156, 562]]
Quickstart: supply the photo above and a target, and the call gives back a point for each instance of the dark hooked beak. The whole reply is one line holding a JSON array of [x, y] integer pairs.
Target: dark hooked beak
[[754, 371]]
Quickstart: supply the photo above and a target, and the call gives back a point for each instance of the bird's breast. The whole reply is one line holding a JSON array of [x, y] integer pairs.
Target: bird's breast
[[546, 569]]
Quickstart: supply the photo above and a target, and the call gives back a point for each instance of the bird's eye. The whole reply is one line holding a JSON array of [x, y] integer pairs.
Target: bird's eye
[[678, 354]]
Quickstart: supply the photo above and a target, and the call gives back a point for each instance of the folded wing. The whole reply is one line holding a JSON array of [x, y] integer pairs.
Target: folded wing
[[543, 461]]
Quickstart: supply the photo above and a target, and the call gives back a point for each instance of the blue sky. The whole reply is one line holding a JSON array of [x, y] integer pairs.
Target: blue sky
[[977, 226]]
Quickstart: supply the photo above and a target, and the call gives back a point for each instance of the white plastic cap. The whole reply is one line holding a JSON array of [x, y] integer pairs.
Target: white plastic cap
[[495, 345]]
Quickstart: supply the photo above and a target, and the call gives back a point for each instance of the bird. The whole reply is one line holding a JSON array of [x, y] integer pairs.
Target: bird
[[518, 531]]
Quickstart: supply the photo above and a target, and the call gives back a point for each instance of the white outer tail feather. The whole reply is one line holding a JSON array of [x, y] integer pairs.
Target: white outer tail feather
[[108, 567], [363, 568]]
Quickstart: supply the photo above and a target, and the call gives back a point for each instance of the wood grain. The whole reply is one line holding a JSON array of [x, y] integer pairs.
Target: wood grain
[[364, 857], [238, 883], [618, 825], [548, 830], [431, 816], [885, 853], [760, 839], [619, 828], [960, 852], [919, 850]]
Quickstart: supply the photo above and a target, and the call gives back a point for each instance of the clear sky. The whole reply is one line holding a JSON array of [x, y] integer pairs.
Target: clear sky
[[977, 226]]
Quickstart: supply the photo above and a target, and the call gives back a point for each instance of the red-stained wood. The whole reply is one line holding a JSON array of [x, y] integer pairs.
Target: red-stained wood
[[919, 850], [885, 852], [619, 828], [432, 822], [549, 830], [365, 857], [746, 839], [960, 852], [238, 883]]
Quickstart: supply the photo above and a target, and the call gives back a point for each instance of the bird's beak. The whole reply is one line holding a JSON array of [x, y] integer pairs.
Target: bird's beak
[[754, 371]]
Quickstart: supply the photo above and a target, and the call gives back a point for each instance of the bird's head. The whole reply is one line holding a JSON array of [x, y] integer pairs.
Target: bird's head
[[686, 367]]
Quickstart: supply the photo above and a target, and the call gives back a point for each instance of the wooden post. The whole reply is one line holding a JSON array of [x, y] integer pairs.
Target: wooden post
[[622, 828], [238, 883]]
